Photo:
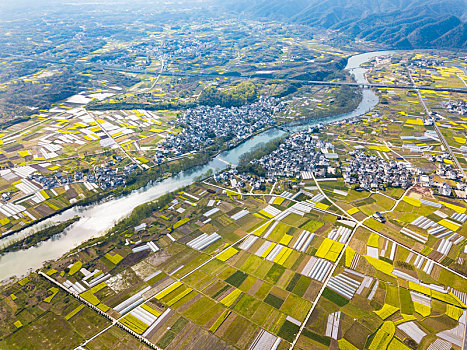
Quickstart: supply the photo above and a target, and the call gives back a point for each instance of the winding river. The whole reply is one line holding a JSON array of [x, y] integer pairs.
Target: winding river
[[96, 219]]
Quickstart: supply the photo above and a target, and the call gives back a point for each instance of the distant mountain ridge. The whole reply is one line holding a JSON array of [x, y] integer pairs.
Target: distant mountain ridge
[[403, 24]]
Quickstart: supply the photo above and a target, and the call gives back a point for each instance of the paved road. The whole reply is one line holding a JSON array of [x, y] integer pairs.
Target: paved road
[[111, 137], [100, 312], [440, 135], [211, 75]]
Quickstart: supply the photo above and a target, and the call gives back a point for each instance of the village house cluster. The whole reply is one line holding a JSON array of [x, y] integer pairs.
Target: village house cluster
[[104, 177], [372, 172], [447, 171], [203, 125], [302, 152], [459, 107], [140, 56], [172, 47], [237, 180], [424, 63]]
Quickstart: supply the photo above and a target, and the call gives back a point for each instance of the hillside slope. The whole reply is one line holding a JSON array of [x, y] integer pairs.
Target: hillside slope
[[398, 23]]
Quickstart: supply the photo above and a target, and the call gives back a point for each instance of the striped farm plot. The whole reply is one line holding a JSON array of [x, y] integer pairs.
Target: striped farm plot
[[401, 274], [132, 302], [144, 319], [460, 217], [148, 245], [424, 264], [332, 327], [12, 210], [75, 287], [306, 175], [414, 235], [303, 241], [440, 344], [340, 192], [341, 234], [317, 198], [144, 315], [345, 284], [424, 223], [455, 335], [157, 323], [300, 208], [92, 279], [461, 295], [279, 254], [372, 251], [272, 228], [266, 248], [274, 252], [441, 214], [390, 247], [315, 202], [450, 224], [317, 268], [211, 212], [24, 171], [373, 290], [270, 211], [26, 187], [248, 242], [240, 214], [413, 331], [286, 194], [420, 298], [366, 283], [445, 246], [265, 341], [354, 262], [430, 203], [196, 199], [203, 241]]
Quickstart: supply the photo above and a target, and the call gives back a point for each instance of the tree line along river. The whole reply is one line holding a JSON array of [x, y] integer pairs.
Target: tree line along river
[[96, 219]]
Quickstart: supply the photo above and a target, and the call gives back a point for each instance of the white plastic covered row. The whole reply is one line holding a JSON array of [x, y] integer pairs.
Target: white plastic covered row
[[272, 210], [157, 322], [318, 198], [98, 279], [318, 269], [445, 246], [344, 285], [274, 252], [333, 325], [430, 203], [143, 315], [261, 250], [461, 217], [414, 235], [74, 287], [240, 215], [247, 243], [265, 341], [424, 223], [203, 241], [11, 209], [303, 241], [211, 212], [132, 302]]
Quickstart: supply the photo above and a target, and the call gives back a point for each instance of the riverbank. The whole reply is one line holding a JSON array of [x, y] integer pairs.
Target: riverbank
[[96, 220], [135, 184], [37, 237]]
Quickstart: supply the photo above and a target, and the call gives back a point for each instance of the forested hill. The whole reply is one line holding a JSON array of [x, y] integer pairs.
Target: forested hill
[[403, 24]]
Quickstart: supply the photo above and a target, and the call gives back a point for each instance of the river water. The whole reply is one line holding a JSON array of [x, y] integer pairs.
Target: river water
[[96, 219]]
